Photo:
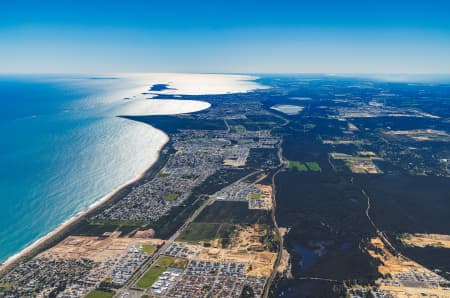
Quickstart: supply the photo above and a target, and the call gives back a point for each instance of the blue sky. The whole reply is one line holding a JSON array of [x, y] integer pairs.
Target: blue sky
[[225, 36]]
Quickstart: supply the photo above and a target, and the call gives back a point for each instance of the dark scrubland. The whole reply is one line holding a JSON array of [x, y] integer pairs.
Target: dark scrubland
[[200, 232], [327, 219], [262, 158], [171, 124], [325, 210], [233, 213], [409, 204], [400, 123], [220, 179], [412, 204]]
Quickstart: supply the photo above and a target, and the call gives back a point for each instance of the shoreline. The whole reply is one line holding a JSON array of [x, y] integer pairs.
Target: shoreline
[[62, 230], [65, 228]]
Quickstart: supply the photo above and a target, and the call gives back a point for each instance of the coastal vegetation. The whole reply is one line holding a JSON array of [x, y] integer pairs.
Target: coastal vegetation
[[116, 222], [162, 174], [99, 227]]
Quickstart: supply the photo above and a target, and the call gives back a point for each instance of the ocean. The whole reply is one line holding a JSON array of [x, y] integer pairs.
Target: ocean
[[62, 148]]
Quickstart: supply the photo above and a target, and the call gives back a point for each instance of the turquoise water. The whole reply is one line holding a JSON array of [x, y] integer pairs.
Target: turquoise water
[[61, 149]]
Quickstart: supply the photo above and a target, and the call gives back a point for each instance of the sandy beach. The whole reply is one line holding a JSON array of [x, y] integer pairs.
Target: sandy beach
[[61, 231]]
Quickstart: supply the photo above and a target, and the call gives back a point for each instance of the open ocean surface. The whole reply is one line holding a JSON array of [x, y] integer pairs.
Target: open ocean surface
[[62, 148]]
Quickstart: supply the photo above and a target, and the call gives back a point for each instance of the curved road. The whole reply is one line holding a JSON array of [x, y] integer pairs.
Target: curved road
[[274, 220]]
